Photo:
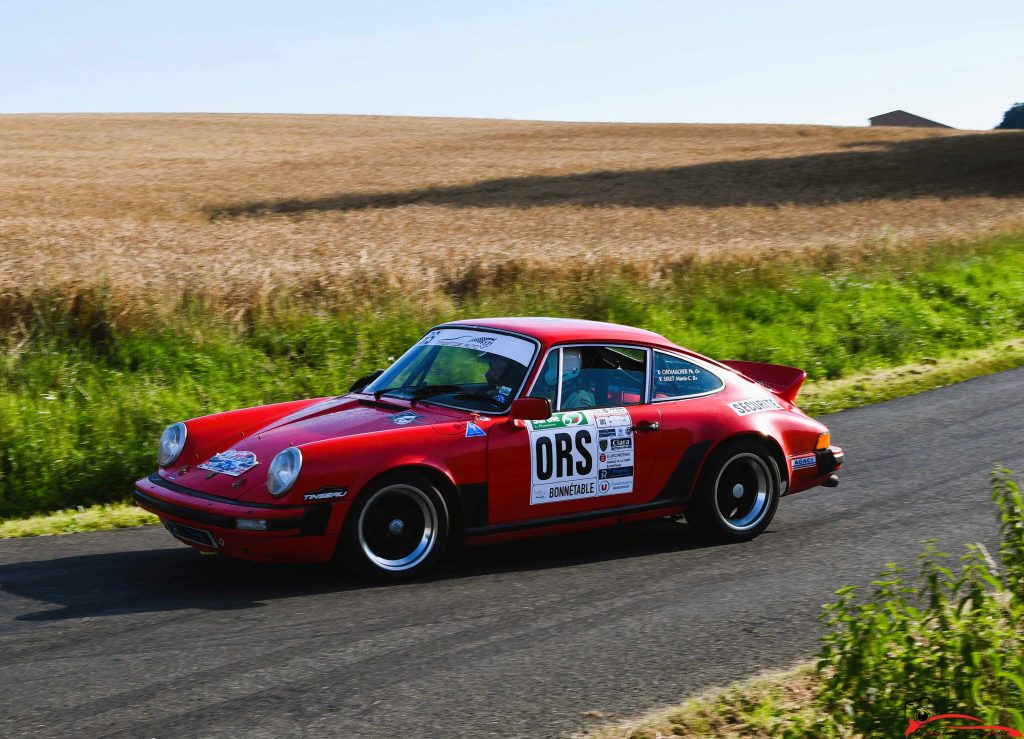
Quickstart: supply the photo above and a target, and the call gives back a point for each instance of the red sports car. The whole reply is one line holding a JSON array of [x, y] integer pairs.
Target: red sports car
[[489, 430]]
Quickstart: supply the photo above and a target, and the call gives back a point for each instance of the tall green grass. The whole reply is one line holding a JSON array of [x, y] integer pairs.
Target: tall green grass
[[86, 385]]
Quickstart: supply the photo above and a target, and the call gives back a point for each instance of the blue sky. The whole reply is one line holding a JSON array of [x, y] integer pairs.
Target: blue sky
[[827, 62]]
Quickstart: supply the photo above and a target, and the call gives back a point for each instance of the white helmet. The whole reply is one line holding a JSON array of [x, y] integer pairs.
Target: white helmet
[[572, 363]]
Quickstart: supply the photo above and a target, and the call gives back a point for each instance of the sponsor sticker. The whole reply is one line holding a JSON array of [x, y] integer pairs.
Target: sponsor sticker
[[746, 407], [611, 417], [574, 455], [511, 347], [405, 418], [801, 463], [326, 494], [233, 463], [481, 342], [562, 420], [473, 430], [613, 487], [618, 457]]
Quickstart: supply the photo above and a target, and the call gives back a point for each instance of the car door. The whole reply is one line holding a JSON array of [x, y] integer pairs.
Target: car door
[[596, 450], [682, 388]]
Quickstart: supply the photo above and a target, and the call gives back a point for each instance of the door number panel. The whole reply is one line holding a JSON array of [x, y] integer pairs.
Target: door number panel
[[581, 454]]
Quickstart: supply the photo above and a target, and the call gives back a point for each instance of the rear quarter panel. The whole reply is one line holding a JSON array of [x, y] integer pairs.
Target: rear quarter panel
[[703, 424]]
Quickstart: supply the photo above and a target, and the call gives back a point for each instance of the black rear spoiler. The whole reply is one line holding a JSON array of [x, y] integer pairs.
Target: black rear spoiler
[[782, 380]]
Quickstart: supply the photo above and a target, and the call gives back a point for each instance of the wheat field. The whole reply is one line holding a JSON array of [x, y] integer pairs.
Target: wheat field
[[236, 207]]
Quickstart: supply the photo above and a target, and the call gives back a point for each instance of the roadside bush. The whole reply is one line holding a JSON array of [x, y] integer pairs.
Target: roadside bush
[[957, 640]]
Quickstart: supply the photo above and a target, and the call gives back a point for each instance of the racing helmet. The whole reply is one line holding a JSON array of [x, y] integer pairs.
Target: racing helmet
[[499, 368], [572, 363]]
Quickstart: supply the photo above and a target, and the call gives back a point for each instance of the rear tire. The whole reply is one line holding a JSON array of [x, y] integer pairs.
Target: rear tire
[[397, 528], [737, 493]]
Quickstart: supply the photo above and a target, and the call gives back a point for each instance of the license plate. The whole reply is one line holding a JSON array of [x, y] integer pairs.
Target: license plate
[[191, 534]]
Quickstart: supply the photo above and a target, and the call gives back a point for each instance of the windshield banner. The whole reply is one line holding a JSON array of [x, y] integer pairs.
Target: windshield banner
[[518, 350]]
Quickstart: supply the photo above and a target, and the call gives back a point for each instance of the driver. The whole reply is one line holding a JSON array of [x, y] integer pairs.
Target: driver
[[502, 376], [575, 394]]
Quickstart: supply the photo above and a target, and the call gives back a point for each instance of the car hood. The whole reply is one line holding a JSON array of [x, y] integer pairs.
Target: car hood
[[330, 419]]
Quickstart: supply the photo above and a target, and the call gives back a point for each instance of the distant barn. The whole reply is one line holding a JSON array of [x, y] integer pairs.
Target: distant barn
[[903, 118]]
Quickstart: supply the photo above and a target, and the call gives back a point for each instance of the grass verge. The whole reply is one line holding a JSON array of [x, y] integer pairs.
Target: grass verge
[[751, 708], [86, 388], [866, 388], [816, 398], [100, 517]]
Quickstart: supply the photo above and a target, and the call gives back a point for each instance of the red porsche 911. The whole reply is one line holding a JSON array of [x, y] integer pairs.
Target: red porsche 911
[[488, 430]]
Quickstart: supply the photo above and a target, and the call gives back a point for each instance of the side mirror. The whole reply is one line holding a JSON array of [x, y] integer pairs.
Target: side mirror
[[365, 380], [530, 409]]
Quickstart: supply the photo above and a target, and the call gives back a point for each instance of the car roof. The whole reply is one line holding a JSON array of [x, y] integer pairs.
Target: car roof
[[554, 330]]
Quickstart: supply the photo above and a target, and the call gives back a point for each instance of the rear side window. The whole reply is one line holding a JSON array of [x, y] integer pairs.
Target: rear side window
[[676, 378]]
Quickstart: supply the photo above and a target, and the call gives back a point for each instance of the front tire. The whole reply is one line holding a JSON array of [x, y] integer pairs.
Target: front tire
[[397, 528], [737, 493]]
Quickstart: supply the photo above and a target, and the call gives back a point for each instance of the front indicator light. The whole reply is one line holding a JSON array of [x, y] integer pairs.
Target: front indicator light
[[251, 524], [824, 440]]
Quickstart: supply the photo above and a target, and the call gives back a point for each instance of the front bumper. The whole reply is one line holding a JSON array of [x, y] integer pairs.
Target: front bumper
[[304, 533]]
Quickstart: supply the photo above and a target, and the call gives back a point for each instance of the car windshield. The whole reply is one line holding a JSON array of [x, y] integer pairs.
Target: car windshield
[[465, 368]]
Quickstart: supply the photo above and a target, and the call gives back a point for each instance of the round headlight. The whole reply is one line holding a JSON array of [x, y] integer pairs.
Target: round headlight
[[284, 471], [172, 441]]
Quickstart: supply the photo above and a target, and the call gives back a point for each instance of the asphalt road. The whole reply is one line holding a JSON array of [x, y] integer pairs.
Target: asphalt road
[[127, 633]]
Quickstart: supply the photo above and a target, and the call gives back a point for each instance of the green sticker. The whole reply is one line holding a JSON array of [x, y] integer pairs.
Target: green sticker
[[561, 420]]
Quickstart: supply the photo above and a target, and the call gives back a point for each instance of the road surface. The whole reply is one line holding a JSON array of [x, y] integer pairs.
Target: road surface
[[128, 633]]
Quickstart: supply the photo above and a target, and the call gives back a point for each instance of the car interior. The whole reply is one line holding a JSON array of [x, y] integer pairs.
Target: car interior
[[614, 375]]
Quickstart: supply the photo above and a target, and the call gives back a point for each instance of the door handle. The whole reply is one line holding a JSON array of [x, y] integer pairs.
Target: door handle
[[646, 426]]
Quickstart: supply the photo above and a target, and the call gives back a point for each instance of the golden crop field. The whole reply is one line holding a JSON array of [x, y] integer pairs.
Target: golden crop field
[[237, 206]]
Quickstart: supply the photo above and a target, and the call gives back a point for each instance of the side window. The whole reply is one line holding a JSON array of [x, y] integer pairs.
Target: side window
[[602, 376], [677, 378], [546, 385]]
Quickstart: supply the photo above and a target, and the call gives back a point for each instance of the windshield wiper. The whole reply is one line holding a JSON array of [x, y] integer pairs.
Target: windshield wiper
[[418, 391], [387, 390], [428, 391], [480, 396]]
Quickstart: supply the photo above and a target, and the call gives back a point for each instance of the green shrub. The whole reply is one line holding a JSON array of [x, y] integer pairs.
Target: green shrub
[[958, 639]]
